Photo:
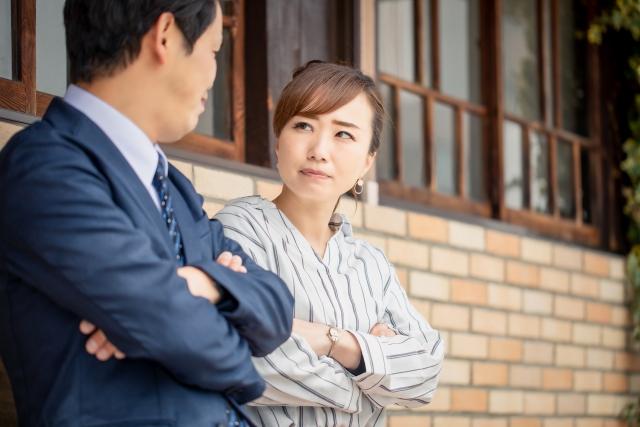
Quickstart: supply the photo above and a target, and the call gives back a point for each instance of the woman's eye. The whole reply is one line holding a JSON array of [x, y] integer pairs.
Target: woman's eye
[[303, 126], [345, 135]]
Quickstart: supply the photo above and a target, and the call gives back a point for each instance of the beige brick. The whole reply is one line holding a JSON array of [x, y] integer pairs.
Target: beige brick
[[556, 330], [469, 345], [271, 190], [554, 280], [423, 307], [469, 400], [385, 219], [466, 236], [584, 286], [427, 227], [221, 185], [599, 359], [557, 379], [185, 168], [596, 264], [536, 251], [7, 130], [587, 381], [569, 308], [589, 422], [539, 353], [430, 286], [537, 302], [506, 297], [620, 316], [489, 374], [627, 362], [456, 372], [403, 278], [373, 239], [525, 376], [409, 254], [488, 322], [468, 292], [452, 317], [441, 401], [558, 422], [615, 383], [507, 245], [572, 404], [587, 334], [570, 355], [524, 326], [489, 422], [611, 291], [347, 205], [505, 349], [634, 384], [506, 402], [446, 338], [615, 423], [539, 403], [448, 261], [487, 267], [451, 421], [211, 208], [567, 257], [409, 421], [525, 422], [601, 404], [522, 274], [616, 268], [614, 338], [598, 313]]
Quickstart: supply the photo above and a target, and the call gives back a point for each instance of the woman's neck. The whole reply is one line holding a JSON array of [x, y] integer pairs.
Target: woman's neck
[[311, 218]]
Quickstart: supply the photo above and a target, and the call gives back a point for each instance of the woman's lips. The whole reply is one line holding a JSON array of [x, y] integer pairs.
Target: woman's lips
[[311, 173]]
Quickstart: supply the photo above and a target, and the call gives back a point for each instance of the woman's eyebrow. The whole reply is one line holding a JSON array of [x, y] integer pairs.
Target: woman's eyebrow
[[345, 124]]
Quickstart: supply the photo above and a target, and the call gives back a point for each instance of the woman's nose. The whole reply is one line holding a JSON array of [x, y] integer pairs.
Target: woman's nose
[[319, 148]]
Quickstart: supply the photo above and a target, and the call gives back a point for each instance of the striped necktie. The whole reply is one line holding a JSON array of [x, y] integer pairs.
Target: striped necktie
[[161, 184]]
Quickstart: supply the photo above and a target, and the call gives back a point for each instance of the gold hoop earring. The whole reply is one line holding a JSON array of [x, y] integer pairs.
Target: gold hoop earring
[[359, 183]]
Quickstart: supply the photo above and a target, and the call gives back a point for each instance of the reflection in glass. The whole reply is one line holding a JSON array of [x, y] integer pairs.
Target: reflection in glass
[[459, 28], [386, 158], [51, 52], [566, 201], [512, 164], [426, 43], [573, 55], [445, 145], [412, 134], [539, 166], [473, 156], [216, 120], [548, 70], [396, 43], [588, 185], [520, 59], [6, 41]]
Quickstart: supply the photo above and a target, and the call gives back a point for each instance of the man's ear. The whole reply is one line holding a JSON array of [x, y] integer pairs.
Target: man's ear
[[163, 36]]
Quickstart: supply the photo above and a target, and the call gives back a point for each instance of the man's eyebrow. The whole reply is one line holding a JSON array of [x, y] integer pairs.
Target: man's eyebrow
[[345, 124]]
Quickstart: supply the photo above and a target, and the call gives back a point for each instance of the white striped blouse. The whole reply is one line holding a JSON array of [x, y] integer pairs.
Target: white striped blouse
[[353, 287]]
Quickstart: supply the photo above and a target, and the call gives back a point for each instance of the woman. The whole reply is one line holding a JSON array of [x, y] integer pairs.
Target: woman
[[357, 343]]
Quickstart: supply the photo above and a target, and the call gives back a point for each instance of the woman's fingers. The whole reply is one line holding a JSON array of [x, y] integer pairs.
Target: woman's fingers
[[236, 263], [87, 327], [95, 342], [225, 258], [105, 352]]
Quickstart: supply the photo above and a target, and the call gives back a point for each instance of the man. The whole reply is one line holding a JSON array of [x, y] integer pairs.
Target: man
[[95, 225]]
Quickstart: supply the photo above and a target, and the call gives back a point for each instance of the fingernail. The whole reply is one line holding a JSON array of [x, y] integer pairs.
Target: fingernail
[[91, 346], [102, 354], [225, 255]]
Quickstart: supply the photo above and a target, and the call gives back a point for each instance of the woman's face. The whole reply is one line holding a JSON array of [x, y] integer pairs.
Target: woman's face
[[322, 157]]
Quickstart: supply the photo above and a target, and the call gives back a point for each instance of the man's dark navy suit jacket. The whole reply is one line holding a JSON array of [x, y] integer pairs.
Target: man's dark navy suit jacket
[[80, 238]]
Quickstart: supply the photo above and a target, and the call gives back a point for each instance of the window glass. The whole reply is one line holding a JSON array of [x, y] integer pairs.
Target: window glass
[[459, 28], [217, 118], [566, 201], [396, 40], [548, 70], [520, 59], [6, 40], [574, 65], [473, 156], [51, 52], [587, 161], [512, 165], [539, 167], [412, 132], [445, 147], [386, 158], [426, 43]]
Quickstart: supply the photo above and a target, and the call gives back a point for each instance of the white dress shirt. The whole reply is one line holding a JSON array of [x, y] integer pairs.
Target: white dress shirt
[[352, 287], [136, 147]]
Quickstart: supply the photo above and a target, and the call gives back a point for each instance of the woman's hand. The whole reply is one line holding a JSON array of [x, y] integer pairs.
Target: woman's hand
[[347, 350], [382, 330]]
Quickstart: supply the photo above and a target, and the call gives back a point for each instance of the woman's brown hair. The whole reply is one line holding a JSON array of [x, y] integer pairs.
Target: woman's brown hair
[[321, 87]]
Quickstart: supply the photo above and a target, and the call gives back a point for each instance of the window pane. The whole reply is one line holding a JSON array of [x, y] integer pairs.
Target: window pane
[[574, 64], [446, 171], [386, 158], [6, 40], [548, 71], [474, 156], [396, 42], [520, 58], [459, 28], [566, 202], [216, 120], [512, 164], [588, 185], [412, 132], [426, 42], [51, 52], [539, 164]]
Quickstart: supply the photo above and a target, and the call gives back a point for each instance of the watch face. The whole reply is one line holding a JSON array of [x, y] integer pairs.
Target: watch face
[[334, 334]]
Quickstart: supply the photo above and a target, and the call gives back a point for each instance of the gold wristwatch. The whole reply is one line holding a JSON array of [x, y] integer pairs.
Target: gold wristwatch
[[334, 336]]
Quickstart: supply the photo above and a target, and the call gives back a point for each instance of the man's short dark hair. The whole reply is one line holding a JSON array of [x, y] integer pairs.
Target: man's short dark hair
[[106, 35]]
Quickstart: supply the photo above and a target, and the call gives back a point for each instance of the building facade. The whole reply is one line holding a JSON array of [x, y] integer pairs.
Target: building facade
[[494, 193]]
